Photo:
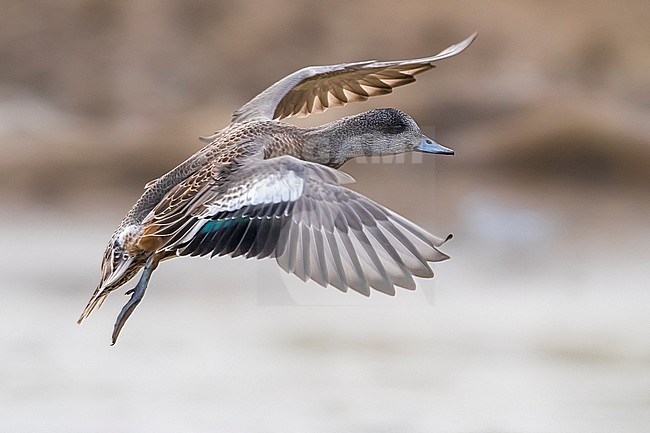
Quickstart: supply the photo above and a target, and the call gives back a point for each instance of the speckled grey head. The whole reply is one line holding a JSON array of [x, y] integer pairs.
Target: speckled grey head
[[384, 131]]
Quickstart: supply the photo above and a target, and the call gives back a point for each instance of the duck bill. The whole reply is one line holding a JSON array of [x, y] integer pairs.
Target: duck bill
[[428, 145]]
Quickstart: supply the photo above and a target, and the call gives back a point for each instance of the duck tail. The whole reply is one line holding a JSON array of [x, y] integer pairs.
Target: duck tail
[[96, 301]]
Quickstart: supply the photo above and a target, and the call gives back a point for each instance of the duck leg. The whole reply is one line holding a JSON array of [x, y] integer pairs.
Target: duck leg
[[137, 293]]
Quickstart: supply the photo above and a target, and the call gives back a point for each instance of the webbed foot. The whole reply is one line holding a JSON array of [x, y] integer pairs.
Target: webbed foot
[[137, 293]]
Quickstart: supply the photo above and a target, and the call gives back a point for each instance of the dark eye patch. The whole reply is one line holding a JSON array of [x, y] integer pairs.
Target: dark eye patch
[[396, 128]]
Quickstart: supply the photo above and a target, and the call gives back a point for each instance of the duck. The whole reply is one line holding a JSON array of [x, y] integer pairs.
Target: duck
[[265, 188]]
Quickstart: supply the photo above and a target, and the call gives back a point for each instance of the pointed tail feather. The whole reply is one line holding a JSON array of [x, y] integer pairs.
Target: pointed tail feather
[[96, 301]]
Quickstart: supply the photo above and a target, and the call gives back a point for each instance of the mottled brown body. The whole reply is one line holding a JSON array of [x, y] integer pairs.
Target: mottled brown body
[[214, 162]]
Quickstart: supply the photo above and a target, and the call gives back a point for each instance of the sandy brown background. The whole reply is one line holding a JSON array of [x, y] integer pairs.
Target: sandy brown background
[[539, 323]]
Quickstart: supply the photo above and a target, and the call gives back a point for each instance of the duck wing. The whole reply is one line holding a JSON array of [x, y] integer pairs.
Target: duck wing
[[317, 88], [301, 214]]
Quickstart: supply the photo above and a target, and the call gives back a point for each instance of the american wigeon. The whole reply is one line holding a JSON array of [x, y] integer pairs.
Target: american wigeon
[[265, 188]]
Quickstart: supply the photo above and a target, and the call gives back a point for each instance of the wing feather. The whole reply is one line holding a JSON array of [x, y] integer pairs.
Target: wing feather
[[301, 214], [315, 89]]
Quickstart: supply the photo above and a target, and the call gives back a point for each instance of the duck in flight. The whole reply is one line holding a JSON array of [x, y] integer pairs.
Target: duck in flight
[[265, 188]]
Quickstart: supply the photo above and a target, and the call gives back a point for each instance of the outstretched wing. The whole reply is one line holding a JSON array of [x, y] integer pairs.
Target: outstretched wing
[[316, 88], [299, 213]]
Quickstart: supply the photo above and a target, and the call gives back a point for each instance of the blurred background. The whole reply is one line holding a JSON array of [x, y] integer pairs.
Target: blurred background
[[539, 322]]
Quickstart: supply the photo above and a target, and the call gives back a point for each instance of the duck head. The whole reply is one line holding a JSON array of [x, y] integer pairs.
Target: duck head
[[122, 258], [379, 132]]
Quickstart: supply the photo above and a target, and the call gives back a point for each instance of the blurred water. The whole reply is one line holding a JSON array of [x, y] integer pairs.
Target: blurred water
[[547, 332]]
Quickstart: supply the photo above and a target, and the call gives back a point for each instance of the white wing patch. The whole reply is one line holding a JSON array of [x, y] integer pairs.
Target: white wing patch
[[285, 186]]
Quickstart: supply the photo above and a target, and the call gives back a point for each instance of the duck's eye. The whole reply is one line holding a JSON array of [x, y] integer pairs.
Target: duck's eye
[[119, 255], [396, 128]]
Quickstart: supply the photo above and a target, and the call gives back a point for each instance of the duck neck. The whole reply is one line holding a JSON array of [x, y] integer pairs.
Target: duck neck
[[334, 143]]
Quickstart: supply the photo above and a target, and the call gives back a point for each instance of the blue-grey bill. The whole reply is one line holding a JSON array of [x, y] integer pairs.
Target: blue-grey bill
[[428, 145]]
